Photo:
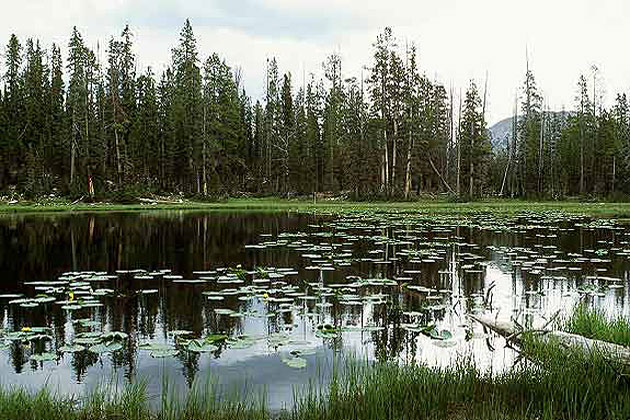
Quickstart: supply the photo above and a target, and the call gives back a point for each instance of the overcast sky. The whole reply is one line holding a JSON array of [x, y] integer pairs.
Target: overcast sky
[[457, 39]]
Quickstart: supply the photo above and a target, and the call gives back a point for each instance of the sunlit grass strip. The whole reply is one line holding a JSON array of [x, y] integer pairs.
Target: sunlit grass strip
[[501, 206], [593, 323], [560, 384]]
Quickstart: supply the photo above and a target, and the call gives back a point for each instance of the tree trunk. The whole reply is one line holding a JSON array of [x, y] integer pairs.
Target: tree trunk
[[118, 164], [204, 157], [440, 175], [394, 141], [472, 165], [582, 149], [87, 136], [386, 164], [72, 159], [540, 151], [408, 168], [459, 144], [471, 182], [507, 167]]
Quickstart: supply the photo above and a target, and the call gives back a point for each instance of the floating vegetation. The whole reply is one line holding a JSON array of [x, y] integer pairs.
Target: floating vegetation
[[327, 331], [71, 349], [106, 347], [295, 362], [44, 357]]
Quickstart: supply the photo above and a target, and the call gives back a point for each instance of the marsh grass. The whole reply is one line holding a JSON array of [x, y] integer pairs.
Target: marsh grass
[[204, 400], [594, 323], [560, 384]]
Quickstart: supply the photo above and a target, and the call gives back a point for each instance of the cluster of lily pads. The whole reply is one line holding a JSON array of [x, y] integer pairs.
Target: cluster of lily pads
[[38, 340]]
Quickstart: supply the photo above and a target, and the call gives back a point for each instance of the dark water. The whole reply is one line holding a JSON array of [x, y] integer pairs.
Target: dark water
[[287, 286]]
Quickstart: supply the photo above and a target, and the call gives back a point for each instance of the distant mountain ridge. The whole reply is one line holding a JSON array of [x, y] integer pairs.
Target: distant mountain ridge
[[501, 132]]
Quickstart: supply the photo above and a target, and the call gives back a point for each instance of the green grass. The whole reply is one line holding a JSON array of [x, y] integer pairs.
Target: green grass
[[507, 206], [593, 323], [562, 385], [132, 402]]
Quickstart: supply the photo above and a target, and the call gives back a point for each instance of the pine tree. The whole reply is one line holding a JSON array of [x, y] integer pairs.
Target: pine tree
[[247, 132], [222, 127], [187, 112], [271, 133], [35, 83], [287, 129], [606, 151], [621, 161], [145, 134], [584, 123], [332, 130], [14, 113], [474, 143], [167, 138], [77, 106], [57, 161], [121, 94], [529, 137], [380, 95]]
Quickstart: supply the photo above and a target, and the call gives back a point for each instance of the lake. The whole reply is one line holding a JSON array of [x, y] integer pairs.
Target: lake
[[270, 301]]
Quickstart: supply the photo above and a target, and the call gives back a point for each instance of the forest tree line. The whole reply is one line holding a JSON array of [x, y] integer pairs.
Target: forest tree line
[[86, 127]]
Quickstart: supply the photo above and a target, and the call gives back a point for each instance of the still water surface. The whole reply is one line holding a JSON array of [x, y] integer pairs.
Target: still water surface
[[271, 299]]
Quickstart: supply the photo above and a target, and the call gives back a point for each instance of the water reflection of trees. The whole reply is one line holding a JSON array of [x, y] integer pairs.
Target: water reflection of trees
[[42, 248]]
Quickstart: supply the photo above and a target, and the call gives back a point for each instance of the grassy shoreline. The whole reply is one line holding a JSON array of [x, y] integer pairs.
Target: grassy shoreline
[[593, 323], [564, 385], [503, 206]]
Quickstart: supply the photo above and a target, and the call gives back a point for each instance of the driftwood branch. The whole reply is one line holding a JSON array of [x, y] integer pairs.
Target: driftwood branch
[[612, 353]]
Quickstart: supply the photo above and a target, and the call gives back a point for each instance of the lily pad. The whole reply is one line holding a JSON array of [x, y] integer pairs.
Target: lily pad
[[441, 335], [242, 343], [444, 343], [295, 362], [88, 323], [87, 340], [199, 346], [106, 348], [160, 354], [75, 348], [43, 357], [115, 335], [155, 347], [215, 338], [223, 311], [180, 333]]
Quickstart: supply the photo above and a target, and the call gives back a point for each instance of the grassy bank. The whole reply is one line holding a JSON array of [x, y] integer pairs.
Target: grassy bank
[[593, 323], [507, 206], [565, 385]]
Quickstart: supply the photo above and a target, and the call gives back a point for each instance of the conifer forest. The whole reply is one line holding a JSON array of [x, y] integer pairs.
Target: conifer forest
[[84, 126]]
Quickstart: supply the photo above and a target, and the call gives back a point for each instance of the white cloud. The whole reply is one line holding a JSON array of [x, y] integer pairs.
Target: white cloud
[[457, 39]]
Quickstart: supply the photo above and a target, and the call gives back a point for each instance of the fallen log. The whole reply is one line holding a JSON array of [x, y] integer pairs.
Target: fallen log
[[613, 353], [77, 201], [158, 201]]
